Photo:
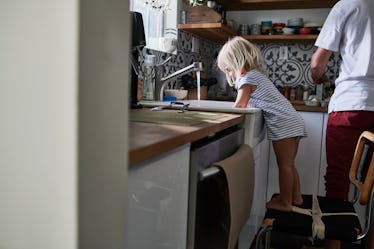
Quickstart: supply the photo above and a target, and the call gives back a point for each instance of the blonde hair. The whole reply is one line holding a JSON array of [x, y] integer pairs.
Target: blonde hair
[[238, 55]]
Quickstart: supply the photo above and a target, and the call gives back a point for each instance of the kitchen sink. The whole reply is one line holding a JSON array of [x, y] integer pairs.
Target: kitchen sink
[[203, 105], [253, 123]]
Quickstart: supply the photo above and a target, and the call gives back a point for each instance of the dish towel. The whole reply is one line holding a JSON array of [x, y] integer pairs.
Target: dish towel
[[239, 171]]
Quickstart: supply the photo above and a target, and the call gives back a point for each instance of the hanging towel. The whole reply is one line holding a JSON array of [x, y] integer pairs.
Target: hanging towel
[[239, 171]]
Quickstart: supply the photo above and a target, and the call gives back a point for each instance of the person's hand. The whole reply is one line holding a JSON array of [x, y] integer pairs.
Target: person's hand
[[321, 79]]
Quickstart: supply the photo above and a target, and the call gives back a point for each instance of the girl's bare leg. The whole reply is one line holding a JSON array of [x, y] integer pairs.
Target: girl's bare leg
[[296, 192], [289, 184]]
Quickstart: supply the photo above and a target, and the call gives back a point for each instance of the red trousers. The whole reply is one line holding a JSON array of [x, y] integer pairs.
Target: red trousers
[[342, 133]]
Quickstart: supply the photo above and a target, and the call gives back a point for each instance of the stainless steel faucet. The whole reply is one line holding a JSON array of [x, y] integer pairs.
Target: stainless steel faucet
[[162, 81]]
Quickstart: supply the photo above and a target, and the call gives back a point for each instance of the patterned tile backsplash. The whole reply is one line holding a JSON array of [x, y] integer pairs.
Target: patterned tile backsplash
[[293, 71]]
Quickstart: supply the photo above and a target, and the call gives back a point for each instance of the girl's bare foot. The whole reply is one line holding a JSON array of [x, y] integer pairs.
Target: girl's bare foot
[[313, 247], [298, 201], [278, 204]]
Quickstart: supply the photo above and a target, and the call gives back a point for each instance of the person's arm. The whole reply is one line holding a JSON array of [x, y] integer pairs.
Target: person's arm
[[318, 65], [243, 96]]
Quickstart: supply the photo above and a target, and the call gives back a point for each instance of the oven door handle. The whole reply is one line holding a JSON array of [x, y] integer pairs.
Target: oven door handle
[[208, 172]]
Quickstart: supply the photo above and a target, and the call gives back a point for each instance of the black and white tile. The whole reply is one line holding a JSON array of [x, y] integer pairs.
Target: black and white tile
[[291, 72]]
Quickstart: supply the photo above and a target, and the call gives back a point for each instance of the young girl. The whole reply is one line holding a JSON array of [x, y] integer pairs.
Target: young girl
[[241, 61]]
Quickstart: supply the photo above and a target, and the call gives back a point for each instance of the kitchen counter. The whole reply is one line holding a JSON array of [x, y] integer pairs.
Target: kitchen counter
[[305, 108], [298, 105], [148, 139]]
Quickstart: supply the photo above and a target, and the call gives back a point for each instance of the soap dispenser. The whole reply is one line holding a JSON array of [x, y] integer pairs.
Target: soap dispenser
[[148, 88]]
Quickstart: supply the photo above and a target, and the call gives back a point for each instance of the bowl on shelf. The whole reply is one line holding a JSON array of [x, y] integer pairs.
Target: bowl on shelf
[[296, 21], [305, 31], [312, 24], [295, 28], [288, 31], [178, 93], [315, 27], [278, 27]]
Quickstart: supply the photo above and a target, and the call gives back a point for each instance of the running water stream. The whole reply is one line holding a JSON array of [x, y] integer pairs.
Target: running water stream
[[198, 87]]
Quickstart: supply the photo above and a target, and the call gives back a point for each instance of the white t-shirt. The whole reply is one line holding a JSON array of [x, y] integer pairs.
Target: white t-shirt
[[349, 29]]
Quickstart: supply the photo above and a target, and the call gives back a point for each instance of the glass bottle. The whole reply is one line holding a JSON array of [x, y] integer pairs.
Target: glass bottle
[[148, 88], [293, 94], [306, 92]]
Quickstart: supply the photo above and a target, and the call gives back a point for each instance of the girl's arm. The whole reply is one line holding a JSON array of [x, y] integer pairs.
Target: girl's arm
[[243, 96]]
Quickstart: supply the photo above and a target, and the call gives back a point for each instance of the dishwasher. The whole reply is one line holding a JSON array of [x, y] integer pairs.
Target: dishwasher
[[208, 206]]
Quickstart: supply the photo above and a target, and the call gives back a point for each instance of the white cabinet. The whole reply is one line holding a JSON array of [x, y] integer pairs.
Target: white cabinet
[[310, 160], [158, 201], [261, 155], [160, 23], [323, 165]]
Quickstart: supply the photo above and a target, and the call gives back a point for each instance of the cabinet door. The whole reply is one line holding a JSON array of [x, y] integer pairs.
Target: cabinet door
[[250, 229], [160, 23], [307, 159], [158, 201]]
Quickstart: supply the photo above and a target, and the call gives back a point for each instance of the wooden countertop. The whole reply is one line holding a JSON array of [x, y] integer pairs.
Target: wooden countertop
[[298, 105], [305, 108], [148, 140]]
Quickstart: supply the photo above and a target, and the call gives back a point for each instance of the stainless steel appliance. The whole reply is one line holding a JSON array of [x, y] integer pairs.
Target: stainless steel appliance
[[208, 209]]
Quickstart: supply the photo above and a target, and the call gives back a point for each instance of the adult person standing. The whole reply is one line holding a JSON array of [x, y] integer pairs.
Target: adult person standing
[[349, 30]]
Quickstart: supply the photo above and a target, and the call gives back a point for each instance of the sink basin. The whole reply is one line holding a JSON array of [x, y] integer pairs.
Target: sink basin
[[253, 123], [204, 105]]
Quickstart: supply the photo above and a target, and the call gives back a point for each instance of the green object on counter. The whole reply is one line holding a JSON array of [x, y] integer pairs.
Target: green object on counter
[[173, 117]]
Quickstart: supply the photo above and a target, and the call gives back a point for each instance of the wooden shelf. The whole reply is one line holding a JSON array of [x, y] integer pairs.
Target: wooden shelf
[[230, 5], [217, 32], [281, 38]]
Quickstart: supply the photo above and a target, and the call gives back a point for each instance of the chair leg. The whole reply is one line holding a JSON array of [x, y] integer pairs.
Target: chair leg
[[263, 234]]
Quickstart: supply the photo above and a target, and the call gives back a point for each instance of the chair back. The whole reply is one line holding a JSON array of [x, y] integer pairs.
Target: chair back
[[366, 140]]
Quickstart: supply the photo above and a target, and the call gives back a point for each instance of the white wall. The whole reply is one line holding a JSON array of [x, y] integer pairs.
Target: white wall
[[38, 128], [41, 145]]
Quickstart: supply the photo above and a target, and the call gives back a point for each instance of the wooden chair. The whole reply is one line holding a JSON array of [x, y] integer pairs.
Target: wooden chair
[[321, 218]]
